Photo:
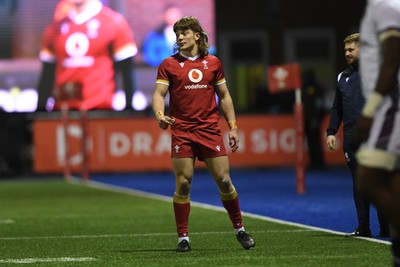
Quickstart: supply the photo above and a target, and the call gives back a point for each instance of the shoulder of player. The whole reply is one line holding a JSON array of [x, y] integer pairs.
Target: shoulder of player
[[111, 14], [212, 61], [175, 58], [54, 26], [169, 61], [210, 57]]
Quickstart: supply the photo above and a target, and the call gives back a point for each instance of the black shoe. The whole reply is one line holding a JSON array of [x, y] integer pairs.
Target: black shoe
[[358, 232], [245, 239], [183, 246]]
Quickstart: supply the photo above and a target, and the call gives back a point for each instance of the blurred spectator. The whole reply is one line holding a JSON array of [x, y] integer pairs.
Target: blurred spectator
[[159, 43]]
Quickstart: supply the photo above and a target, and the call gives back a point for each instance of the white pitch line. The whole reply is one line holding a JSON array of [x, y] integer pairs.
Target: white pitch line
[[6, 221], [81, 236], [42, 260], [135, 192], [141, 235]]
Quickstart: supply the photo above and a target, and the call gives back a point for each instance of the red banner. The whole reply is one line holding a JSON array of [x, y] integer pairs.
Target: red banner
[[283, 78], [137, 144]]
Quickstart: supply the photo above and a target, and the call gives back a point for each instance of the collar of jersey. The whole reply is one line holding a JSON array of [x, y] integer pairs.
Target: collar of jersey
[[190, 58], [92, 10]]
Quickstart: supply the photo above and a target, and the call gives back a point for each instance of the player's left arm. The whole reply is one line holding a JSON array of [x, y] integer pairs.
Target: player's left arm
[[228, 111], [126, 68]]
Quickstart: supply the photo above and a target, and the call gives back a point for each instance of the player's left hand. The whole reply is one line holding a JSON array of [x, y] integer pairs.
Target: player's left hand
[[233, 140], [361, 130]]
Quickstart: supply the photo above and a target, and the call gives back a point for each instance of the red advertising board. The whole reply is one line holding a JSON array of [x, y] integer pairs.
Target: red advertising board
[[283, 78], [137, 144]]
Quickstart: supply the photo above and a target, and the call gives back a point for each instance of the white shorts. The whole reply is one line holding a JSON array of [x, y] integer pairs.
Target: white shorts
[[382, 149]]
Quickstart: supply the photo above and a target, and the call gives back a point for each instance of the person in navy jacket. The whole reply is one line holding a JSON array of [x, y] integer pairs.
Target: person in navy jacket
[[347, 106]]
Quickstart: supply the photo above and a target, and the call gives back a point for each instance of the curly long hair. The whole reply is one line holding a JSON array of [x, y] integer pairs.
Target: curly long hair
[[192, 23]]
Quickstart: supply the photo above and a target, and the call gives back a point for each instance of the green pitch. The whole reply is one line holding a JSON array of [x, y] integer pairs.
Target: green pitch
[[55, 223]]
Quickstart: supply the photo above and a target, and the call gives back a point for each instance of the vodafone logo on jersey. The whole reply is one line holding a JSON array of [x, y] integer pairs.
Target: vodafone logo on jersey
[[195, 75]]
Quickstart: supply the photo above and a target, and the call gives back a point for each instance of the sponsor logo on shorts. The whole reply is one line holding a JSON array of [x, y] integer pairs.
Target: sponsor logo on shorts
[[218, 148], [177, 149]]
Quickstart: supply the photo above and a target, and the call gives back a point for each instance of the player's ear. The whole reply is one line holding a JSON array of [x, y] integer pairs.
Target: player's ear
[[196, 36]]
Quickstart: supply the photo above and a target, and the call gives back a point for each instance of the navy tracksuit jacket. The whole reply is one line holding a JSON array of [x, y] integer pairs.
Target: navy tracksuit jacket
[[347, 106], [348, 103]]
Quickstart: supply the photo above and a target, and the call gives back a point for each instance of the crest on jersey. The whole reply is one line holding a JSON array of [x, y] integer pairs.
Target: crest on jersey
[[93, 28], [205, 62], [195, 75]]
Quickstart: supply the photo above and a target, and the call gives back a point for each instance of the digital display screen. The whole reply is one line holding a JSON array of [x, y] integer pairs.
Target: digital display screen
[[22, 23]]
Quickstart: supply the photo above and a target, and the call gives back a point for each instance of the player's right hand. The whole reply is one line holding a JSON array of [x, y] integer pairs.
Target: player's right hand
[[165, 121]]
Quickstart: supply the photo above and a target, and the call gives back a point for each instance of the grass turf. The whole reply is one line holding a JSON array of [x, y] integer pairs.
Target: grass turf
[[56, 223]]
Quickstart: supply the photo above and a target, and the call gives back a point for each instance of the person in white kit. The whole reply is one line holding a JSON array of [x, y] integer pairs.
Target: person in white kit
[[378, 173]]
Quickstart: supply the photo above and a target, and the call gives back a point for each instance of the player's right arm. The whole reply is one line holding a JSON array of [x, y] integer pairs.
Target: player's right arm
[[158, 106], [126, 68], [45, 84], [48, 72]]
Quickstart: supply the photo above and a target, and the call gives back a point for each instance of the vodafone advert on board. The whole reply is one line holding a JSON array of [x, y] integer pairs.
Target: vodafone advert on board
[[138, 144]]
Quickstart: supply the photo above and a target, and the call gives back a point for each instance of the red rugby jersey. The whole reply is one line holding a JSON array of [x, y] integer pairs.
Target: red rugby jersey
[[192, 88], [84, 48]]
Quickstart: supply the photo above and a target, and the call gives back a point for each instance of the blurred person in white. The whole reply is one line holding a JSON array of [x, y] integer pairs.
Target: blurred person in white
[[82, 49], [378, 128]]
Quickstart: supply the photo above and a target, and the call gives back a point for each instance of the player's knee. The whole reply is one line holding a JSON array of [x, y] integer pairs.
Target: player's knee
[[225, 184], [184, 185]]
